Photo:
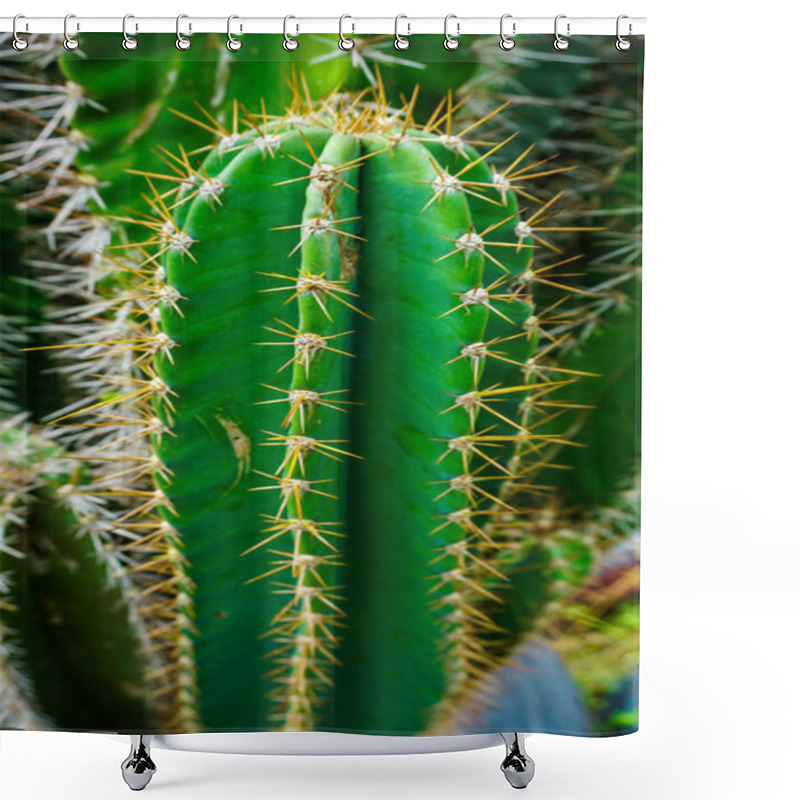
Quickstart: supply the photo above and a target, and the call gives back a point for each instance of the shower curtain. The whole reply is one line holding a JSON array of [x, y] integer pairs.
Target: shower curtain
[[320, 385]]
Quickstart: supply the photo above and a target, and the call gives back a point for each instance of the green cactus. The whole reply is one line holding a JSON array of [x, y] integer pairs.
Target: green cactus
[[321, 399]]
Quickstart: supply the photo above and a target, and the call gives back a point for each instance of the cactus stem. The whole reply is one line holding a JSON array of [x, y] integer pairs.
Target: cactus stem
[[304, 627], [328, 210]]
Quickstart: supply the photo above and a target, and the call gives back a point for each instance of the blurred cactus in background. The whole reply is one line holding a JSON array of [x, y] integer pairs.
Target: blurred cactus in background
[[337, 426], [71, 611]]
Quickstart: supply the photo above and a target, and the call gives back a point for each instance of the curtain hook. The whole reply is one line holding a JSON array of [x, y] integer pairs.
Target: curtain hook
[[623, 44], [451, 42], [401, 42], [70, 42], [182, 43], [507, 42], [129, 42], [289, 43], [561, 43], [19, 43], [233, 44], [345, 42]]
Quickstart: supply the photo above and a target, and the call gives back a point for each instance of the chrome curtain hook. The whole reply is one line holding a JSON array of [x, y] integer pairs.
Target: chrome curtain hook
[[70, 42], [289, 43], [182, 43], [507, 42], [623, 44], [233, 43], [451, 42], [345, 42], [560, 43], [128, 42], [401, 42], [18, 43]]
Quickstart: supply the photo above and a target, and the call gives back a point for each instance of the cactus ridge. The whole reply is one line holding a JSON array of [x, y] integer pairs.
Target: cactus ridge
[[312, 488]]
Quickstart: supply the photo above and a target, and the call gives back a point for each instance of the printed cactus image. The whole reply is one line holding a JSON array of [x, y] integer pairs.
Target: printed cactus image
[[323, 362]]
